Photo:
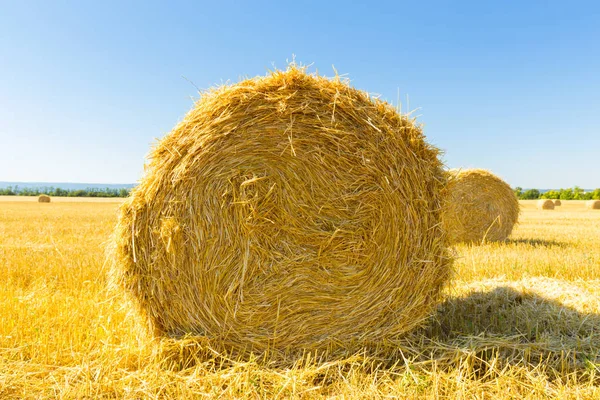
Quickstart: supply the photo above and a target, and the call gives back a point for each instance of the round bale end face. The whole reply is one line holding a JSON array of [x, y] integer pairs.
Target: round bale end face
[[479, 207], [286, 212], [44, 198], [545, 204], [593, 204]]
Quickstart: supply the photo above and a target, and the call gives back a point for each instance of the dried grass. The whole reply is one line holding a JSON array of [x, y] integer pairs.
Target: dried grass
[[286, 213], [479, 207], [503, 332], [593, 204], [43, 198], [557, 203], [545, 204]]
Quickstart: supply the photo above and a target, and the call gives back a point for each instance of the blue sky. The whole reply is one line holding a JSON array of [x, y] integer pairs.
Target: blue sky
[[514, 87]]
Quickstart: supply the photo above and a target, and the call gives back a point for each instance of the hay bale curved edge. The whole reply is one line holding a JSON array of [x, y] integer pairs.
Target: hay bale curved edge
[[593, 204], [286, 212], [479, 207], [545, 204]]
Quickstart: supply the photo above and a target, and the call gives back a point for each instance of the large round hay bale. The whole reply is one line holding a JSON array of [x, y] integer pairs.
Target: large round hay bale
[[286, 212], [545, 204], [593, 204], [43, 198], [557, 203], [479, 207]]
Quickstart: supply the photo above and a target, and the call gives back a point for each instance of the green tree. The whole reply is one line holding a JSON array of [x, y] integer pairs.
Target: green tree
[[567, 194], [578, 193], [551, 194], [8, 191], [530, 194], [518, 191]]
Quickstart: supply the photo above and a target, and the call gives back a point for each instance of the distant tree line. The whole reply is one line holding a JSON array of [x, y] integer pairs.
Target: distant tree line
[[575, 193], [52, 191]]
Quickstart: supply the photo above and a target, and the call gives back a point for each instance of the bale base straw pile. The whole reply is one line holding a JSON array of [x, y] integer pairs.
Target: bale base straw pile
[[545, 204], [286, 212], [479, 207], [43, 198], [593, 204]]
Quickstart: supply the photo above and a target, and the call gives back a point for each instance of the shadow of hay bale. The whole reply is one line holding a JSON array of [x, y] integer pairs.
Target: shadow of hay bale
[[480, 332], [512, 327], [536, 242], [506, 312]]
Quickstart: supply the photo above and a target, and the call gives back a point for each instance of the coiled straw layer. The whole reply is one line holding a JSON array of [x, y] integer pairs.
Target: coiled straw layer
[[545, 204], [593, 204], [286, 212], [479, 207]]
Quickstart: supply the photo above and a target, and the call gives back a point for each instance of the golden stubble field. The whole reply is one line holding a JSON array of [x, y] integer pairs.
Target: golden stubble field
[[522, 320]]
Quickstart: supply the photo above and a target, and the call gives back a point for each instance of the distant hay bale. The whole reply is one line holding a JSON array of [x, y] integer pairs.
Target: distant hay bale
[[546, 204], [479, 207], [284, 213], [593, 204], [43, 198], [557, 203]]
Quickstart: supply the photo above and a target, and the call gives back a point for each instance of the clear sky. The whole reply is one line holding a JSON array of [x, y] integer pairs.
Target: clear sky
[[514, 87]]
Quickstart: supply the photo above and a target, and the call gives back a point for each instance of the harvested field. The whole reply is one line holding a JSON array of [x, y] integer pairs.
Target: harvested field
[[521, 320]]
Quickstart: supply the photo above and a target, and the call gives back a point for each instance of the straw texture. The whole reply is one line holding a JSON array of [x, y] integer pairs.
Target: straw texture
[[593, 204], [44, 198], [545, 204], [286, 212], [479, 207]]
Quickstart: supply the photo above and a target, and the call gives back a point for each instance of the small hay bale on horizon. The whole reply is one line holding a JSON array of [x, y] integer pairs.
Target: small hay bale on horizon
[[43, 198], [479, 207], [286, 213], [557, 203], [593, 204], [545, 204]]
